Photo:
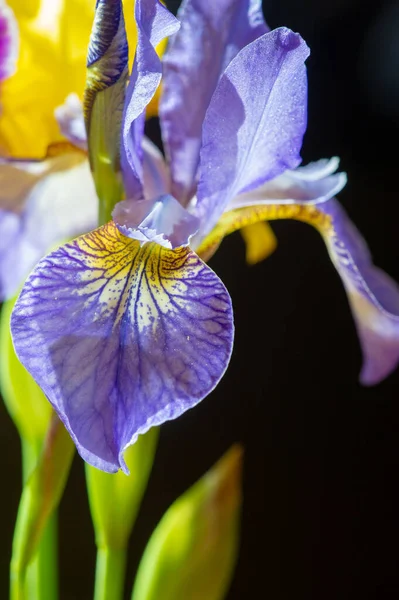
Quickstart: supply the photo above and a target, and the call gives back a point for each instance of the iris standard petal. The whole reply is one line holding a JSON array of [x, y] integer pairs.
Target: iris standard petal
[[163, 220], [121, 337], [59, 206], [373, 296], [300, 185], [260, 136], [154, 23], [210, 36], [8, 41]]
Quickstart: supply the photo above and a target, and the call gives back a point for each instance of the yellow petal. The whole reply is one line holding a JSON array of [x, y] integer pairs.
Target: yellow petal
[[260, 241]]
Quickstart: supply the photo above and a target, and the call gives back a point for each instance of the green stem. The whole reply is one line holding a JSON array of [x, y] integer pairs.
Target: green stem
[[34, 576], [110, 573], [42, 573]]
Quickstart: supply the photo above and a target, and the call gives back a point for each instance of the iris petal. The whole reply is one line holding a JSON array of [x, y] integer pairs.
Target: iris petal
[[54, 204], [313, 183], [162, 220], [210, 36], [154, 23], [260, 136], [373, 296], [121, 337]]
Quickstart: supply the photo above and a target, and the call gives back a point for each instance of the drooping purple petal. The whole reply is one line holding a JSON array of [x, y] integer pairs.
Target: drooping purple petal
[[211, 34], [57, 206], [121, 337], [71, 121], [260, 135], [162, 220], [372, 294], [311, 184], [154, 23], [8, 41]]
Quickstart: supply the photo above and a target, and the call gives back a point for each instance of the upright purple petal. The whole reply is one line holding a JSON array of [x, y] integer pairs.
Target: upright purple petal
[[260, 135], [211, 34], [121, 337], [8, 41], [154, 23]]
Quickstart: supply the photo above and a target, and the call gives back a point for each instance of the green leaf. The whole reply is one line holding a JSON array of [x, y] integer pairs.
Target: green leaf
[[192, 552]]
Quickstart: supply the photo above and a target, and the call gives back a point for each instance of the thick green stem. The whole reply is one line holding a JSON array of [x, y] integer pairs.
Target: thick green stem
[[110, 573]]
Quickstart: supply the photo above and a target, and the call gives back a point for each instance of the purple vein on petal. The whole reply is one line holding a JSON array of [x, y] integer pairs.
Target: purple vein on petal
[[121, 337]]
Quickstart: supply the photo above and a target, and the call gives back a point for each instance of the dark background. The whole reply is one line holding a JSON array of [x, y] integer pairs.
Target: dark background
[[320, 517]]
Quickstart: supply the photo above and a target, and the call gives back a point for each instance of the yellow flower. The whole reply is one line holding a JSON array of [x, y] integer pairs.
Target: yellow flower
[[54, 36]]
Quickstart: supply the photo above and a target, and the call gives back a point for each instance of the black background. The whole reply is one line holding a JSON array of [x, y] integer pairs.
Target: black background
[[320, 517]]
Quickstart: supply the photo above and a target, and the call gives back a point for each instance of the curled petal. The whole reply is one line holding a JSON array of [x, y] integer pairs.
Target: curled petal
[[8, 41], [56, 207], [107, 72], [306, 184], [162, 220], [373, 296], [121, 337], [260, 135], [211, 35], [154, 23]]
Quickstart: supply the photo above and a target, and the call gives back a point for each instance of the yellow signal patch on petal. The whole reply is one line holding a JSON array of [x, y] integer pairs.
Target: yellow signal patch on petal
[[130, 336], [260, 241]]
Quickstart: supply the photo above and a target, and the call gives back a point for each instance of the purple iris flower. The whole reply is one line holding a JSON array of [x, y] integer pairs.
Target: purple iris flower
[[126, 327]]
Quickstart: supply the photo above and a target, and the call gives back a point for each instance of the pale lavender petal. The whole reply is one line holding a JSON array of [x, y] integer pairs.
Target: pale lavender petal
[[121, 337], [163, 220], [211, 35], [318, 170], [373, 296], [71, 121], [9, 41], [154, 23], [155, 172], [298, 186], [59, 206], [260, 135]]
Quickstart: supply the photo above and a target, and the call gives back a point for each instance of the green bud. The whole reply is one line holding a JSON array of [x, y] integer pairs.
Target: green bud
[[192, 552], [115, 498], [27, 405]]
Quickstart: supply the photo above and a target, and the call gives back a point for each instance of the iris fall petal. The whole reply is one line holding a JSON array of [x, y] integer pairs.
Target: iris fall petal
[[121, 337]]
